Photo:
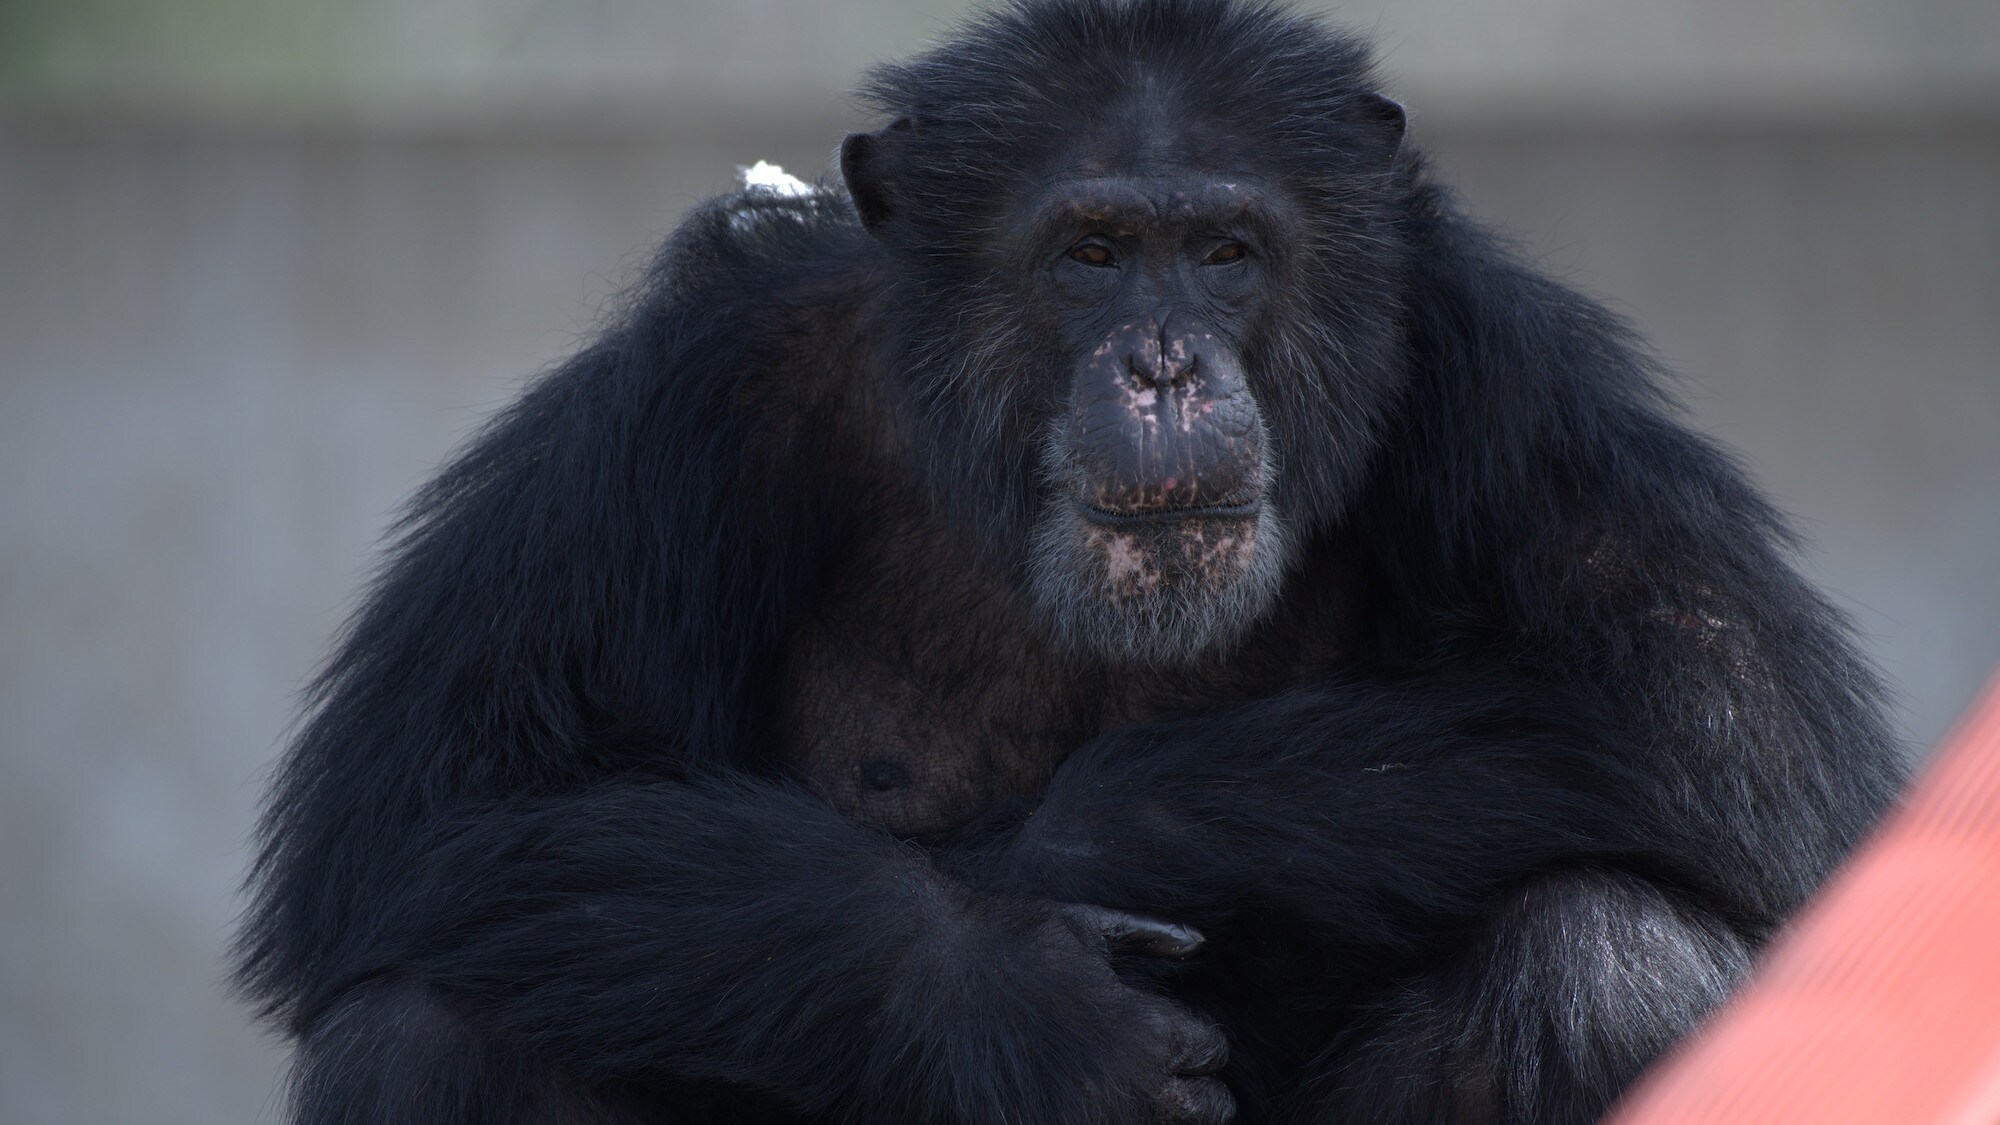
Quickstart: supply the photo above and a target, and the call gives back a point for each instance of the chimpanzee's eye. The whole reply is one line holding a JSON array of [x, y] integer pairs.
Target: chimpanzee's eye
[[1224, 254], [1091, 253]]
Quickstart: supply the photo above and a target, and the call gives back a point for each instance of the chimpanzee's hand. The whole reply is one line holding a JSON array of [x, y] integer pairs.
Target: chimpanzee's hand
[[1013, 1010], [1181, 1052], [1023, 1017]]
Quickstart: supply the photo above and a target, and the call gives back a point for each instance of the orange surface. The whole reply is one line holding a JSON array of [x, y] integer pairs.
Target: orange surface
[[1882, 1002]]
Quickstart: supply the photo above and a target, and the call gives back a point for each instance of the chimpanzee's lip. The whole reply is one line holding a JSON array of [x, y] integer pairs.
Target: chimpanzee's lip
[[1142, 517]]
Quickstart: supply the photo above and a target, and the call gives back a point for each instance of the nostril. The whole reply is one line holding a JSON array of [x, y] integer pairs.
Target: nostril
[[1175, 367]]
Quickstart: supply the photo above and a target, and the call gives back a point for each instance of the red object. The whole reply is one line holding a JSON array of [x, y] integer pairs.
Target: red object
[[1881, 1004]]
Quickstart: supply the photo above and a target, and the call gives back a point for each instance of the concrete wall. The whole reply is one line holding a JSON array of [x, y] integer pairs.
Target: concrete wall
[[228, 350]]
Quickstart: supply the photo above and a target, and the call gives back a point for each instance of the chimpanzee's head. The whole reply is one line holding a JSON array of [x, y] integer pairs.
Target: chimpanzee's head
[[1149, 327]]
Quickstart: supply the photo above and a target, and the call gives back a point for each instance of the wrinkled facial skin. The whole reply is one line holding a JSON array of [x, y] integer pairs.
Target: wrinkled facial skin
[[1159, 540]]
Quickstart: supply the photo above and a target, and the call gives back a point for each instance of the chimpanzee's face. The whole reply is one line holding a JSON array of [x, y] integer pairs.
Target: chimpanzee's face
[[1158, 537], [1114, 326]]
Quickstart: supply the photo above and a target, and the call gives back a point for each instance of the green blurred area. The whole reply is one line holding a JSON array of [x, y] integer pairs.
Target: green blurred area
[[213, 52], [366, 60]]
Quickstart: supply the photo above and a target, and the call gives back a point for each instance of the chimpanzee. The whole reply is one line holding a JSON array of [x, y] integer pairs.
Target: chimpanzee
[[1124, 606]]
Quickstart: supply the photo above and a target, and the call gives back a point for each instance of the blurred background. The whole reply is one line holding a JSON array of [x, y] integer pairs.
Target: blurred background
[[262, 262]]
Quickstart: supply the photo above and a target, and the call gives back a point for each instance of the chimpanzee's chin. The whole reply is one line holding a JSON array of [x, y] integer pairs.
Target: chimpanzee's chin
[[1164, 589]]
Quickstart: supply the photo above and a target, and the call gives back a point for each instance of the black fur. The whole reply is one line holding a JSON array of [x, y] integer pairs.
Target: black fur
[[1541, 739]]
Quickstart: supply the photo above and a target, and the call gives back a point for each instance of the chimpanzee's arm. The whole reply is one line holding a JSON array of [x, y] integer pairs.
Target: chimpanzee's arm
[[1380, 816], [732, 933], [1730, 749]]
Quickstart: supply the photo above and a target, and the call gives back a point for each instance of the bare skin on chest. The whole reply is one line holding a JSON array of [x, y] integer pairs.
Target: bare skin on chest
[[918, 719]]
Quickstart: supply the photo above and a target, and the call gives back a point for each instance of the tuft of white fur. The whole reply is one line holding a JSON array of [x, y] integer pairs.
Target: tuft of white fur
[[766, 176]]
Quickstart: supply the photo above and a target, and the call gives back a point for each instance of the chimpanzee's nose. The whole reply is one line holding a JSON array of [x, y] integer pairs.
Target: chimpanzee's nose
[[1161, 360]]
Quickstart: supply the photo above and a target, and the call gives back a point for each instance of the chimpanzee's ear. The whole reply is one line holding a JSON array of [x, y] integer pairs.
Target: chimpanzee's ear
[[1385, 118], [868, 162]]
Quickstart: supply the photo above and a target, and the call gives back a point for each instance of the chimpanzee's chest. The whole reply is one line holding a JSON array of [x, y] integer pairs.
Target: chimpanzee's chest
[[916, 696], [918, 691]]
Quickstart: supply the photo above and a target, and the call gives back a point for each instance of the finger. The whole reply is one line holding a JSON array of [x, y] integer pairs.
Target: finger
[[1138, 933]]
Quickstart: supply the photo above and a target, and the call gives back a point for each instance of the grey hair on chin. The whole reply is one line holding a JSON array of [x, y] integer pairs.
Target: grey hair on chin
[[1176, 621]]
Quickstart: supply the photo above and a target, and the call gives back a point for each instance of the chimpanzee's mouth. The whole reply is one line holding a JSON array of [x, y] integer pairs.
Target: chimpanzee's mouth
[[1143, 517]]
